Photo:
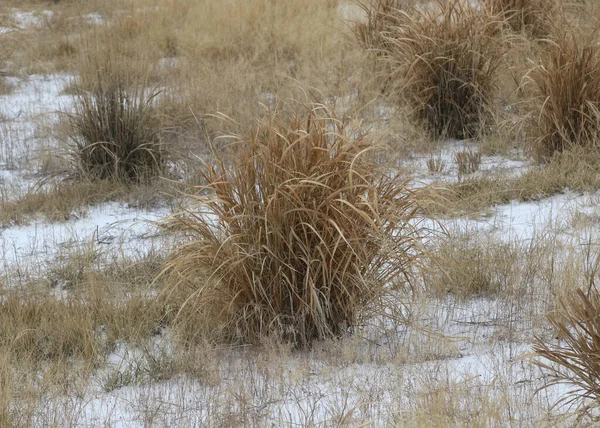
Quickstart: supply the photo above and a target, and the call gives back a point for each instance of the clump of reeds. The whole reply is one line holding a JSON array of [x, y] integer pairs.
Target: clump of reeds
[[444, 59], [565, 112], [296, 233], [115, 131], [575, 360]]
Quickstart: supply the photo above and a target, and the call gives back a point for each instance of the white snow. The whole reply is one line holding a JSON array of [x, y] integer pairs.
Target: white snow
[[26, 19], [111, 225], [311, 388]]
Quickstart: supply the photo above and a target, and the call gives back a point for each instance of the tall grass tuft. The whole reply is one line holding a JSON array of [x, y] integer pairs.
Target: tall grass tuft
[[534, 17], [566, 112], [115, 132], [379, 17], [444, 58], [576, 360], [296, 234]]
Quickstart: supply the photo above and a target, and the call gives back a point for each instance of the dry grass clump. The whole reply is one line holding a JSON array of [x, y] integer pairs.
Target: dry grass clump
[[296, 234], [467, 265], [380, 17], [435, 165], [531, 16], [575, 361], [566, 110], [115, 129], [468, 161], [445, 59]]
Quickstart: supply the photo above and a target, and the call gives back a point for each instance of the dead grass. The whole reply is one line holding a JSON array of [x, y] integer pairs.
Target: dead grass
[[575, 359], [468, 161], [472, 264], [298, 235], [58, 327], [53, 339], [533, 17], [380, 18], [444, 59], [575, 170], [115, 130], [468, 266], [60, 203], [567, 83]]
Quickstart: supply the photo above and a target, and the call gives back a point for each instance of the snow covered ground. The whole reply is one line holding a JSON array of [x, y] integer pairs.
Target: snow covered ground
[[478, 349], [465, 339]]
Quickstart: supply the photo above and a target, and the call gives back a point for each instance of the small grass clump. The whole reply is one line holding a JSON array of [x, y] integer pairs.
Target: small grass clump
[[297, 234], [435, 165], [566, 110], [576, 360], [116, 131], [445, 59], [468, 161], [575, 169], [467, 266]]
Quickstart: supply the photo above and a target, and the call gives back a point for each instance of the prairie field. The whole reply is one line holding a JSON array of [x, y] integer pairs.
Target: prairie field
[[299, 213]]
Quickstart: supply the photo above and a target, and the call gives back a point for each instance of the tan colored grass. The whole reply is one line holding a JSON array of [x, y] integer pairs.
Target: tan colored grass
[[444, 59], [575, 359], [296, 235], [380, 16], [114, 128], [534, 17], [565, 110], [467, 161], [59, 203], [574, 169]]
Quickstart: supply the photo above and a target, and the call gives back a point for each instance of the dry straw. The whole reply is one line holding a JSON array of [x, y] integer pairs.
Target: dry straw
[[443, 58], [534, 17], [575, 361], [565, 113], [296, 233], [115, 131]]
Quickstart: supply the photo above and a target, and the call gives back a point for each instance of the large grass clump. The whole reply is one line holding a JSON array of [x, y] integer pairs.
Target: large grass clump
[[575, 361], [115, 131], [297, 233], [565, 113], [444, 59]]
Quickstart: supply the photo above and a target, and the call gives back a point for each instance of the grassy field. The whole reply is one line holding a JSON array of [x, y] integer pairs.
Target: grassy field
[[284, 213]]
